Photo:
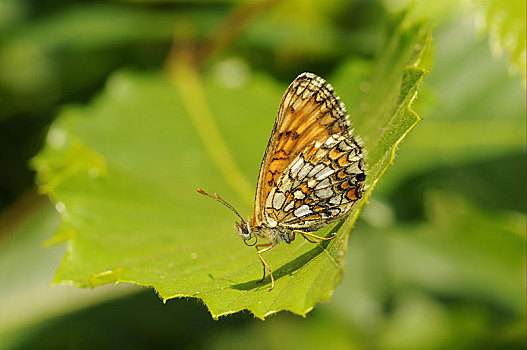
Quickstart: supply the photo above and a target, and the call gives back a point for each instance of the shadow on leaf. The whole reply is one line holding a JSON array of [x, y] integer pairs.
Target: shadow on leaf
[[293, 265]]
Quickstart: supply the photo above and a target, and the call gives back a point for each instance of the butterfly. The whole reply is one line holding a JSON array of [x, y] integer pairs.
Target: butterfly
[[312, 172]]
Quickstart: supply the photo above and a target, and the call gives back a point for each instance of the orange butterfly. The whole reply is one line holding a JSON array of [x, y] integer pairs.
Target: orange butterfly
[[312, 172]]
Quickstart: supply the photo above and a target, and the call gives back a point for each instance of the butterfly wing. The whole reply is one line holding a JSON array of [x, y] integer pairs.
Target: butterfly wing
[[309, 112], [321, 185]]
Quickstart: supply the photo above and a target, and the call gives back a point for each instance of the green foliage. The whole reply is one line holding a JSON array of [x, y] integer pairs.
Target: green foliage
[[505, 21], [26, 268], [123, 174], [436, 259], [473, 113]]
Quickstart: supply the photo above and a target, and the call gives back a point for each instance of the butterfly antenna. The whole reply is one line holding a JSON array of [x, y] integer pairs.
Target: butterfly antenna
[[218, 199]]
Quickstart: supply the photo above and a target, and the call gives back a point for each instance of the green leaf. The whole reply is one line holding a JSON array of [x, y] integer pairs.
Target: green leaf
[[71, 48], [123, 173], [26, 268], [505, 21]]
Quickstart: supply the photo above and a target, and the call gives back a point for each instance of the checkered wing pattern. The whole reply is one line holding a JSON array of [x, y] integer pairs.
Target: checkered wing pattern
[[312, 170], [320, 186]]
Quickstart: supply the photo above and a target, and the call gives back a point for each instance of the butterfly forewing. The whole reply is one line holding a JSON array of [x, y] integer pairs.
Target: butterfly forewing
[[309, 114]]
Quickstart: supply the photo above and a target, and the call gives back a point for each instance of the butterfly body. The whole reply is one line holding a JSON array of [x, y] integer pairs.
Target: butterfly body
[[274, 235], [312, 172]]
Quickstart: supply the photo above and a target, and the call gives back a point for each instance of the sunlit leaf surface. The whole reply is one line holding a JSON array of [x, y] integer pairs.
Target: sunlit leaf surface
[[123, 172]]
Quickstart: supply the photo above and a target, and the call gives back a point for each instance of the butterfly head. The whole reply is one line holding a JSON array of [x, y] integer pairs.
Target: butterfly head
[[244, 229]]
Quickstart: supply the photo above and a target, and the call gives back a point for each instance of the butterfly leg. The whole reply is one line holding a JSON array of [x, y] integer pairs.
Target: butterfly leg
[[305, 234], [265, 266]]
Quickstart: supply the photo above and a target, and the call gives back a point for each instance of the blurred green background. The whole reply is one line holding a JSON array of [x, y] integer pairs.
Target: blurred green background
[[437, 259]]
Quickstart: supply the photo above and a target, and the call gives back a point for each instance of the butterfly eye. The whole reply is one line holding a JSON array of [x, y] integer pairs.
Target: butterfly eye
[[243, 230]]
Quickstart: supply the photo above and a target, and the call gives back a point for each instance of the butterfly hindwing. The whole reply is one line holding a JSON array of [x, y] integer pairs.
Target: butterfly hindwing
[[321, 185]]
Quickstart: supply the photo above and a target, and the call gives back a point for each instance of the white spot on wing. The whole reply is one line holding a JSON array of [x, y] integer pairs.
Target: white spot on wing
[[315, 170], [307, 93], [322, 174], [271, 222], [285, 184], [335, 200], [322, 184], [269, 200], [278, 200], [334, 211], [353, 158], [324, 193], [311, 183], [344, 146], [296, 167], [299, 195], [305, 170], [302, 210], [353, 169], [330, 142], [289, 206], [300, 88]]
